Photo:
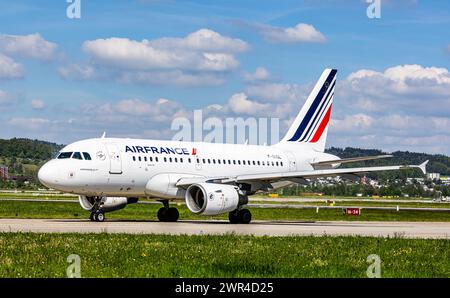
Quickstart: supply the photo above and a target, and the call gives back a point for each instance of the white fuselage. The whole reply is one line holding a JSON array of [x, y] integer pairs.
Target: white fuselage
[[137, 167]]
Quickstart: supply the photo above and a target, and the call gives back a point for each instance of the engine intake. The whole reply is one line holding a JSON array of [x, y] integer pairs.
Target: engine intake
[[213, 198]]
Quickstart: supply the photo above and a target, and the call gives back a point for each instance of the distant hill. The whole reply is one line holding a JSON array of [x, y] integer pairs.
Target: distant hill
[[438, 163], [27, 149]]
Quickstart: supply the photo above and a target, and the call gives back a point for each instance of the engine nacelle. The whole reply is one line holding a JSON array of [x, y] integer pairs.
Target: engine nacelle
[[213, 198], [106, 204]]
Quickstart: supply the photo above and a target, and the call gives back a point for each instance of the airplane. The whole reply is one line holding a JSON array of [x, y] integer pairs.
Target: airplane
[[212, 179]]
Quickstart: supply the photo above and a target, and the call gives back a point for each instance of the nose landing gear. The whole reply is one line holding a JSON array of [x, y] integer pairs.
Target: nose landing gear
[[97, 216]]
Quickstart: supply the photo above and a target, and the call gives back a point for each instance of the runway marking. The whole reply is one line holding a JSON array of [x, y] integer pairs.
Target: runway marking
[[258, 228]]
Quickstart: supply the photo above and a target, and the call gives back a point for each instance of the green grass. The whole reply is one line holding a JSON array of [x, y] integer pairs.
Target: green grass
[[13, 209], [119, 255]]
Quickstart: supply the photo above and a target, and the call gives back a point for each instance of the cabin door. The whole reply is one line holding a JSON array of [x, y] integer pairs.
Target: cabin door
[[115, 160]]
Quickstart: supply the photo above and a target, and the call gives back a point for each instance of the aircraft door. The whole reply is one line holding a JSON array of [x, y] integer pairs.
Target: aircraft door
[[115, 160], [292, 161]]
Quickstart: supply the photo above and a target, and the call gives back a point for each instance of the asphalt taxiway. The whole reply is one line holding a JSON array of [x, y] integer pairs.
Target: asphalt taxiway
[[259, 228]]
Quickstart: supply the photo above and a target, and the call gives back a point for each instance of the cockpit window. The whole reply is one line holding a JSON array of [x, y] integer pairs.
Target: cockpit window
[[77, 155], [86, 156], [64, 155]]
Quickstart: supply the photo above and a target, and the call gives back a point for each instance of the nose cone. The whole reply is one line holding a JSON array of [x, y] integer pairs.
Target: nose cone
[[48, 174]]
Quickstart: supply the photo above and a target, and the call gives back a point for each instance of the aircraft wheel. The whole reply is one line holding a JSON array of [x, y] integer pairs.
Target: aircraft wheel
[[168, 214], [173, 214], [245, 216], [100, 216], [162, 214], [233, 217]]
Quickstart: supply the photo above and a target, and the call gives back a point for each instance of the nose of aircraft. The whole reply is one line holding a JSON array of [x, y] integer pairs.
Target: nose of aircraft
[[48, 174]]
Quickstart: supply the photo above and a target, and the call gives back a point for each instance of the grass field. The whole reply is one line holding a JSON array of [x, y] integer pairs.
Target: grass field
[[13, 209], [116, 255]]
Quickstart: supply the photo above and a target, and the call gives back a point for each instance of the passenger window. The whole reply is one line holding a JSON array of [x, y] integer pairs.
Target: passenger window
[[181, 159], [140, 159], [145, 158], [165, 159], [77, 155], [203, 160], [86, 156], [254, 162], [243, 162], [209, 160], [234, 161], [281, 163], [134, 158], [65, 155], [214, 161], [156, 159], [276, 163], [176, 159], [218, 161], [170, 159], [151, 159], [239, 162]]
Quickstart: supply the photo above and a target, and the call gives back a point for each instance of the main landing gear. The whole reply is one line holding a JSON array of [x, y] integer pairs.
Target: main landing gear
[[168, 214], [97, 216], [243, 216]]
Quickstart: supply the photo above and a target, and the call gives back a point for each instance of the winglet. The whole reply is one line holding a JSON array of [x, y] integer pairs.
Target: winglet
[[103, 135], [422, 167]]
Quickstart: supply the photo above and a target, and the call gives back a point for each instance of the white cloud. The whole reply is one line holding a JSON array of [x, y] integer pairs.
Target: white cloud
[[408, 88], [37, 104], [78, 72], [6, 99], [353, 123], [260, 74], [10, 69], [203, 40], [239, 103], [201, 58], [171, 77], [301, 33], [204, 50], [277, 92], [33, 46], [29, 123]]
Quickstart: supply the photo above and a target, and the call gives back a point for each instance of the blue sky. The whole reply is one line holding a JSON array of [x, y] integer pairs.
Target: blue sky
[[130, 67]]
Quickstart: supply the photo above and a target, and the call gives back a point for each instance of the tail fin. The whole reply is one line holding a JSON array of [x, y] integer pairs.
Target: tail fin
[[311, 124]]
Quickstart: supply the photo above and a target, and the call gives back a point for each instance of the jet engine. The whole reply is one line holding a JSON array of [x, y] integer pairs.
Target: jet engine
[[213, 198], [105, 204]]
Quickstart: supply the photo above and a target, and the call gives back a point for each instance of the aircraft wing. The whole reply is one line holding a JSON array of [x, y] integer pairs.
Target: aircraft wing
[[273, 177], [347, 160]]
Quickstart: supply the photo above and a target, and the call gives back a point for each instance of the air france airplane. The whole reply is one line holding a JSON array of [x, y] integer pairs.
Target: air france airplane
[[213, 179]]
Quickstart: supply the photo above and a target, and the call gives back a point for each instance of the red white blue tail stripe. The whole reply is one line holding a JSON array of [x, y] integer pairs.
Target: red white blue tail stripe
[[316, 112]]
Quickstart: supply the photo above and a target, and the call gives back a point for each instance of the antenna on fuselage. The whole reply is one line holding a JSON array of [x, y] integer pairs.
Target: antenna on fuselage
[[103, 135]]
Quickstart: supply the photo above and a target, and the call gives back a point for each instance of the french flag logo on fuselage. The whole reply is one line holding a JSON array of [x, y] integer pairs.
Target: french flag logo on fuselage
[[317, 115]]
